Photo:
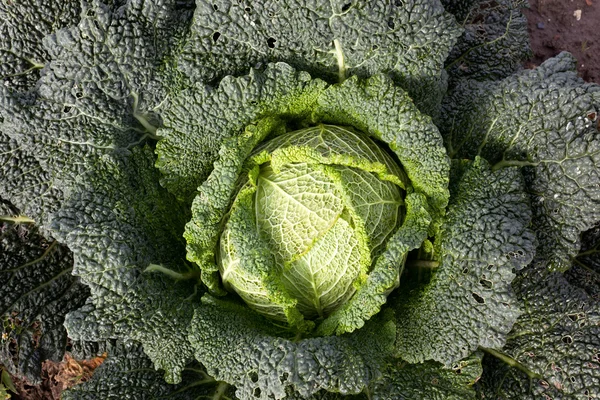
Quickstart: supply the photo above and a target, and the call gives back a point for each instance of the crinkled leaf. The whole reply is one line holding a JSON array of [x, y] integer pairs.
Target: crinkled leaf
[[118, 223], [546, 121], [23, 25], [128, 373], [110, 65], [24, 182], [408, 39], [384, 111], [585, 272], [199, 119], [385, 274], [459, 8], [38, 290], [468, 301], [242, 348], [495, 40], [428, 381], [556, 341]]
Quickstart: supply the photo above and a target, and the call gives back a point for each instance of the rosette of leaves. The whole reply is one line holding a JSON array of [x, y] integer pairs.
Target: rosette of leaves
[[333, 212], [199, 160], [299, 161]]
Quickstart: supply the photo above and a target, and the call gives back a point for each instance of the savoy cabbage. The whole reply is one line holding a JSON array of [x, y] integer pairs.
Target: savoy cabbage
[[297, 199]]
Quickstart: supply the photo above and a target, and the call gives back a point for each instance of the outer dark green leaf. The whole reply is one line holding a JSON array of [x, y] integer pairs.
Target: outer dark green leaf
[[118, 223], [495, 41], [24, 182], [557, 340], [23, 25], [459, 8], [546, 121], [469, 301], [409, 39], [428, 381], [38, 290], [110, 65], [585, 272], [128, 373], [197, 121], [240, 347]]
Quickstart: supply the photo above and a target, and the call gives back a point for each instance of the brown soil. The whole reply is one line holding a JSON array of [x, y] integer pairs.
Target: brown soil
[[553, 28], [57, 377]]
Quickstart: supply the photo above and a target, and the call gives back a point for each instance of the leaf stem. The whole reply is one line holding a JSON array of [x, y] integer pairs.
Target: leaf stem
[[427, 264], [339, 55], [19, 219], [178, 276], [511, 362], [220, 392]]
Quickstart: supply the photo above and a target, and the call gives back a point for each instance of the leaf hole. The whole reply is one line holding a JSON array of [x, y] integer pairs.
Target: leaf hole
[[465, 270], [248, 10], [216, 36], [283, 377], [66, 109], [573, 317], [257, 392], [567, 339], [215, 7], [346, 7], [253, 377], [486, 283], [478, 298], [79, 95], [271, 42], [572, 379], [391, 23], [490, 266], [374, 47]]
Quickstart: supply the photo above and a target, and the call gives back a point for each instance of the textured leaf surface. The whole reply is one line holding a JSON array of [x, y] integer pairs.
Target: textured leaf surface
[[296, 206], [585, 272], [557, 338], [110, 65], [128, 373], [385, 274], [495, 41], [409, 39], [24, 182], [384, 111], [199, 119], [469, 301], [428, 381], [117, 224], [23, 25], [243, 349], [545, 120], [38, 290]]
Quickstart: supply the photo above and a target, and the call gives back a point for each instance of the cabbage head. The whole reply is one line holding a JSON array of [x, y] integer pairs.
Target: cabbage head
[[323, 201]]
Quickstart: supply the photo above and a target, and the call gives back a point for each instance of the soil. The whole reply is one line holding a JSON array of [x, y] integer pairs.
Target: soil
[[554, 27], [56, 377]]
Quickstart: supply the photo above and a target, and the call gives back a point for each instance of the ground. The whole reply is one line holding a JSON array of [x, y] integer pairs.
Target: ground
[[555, 27]]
